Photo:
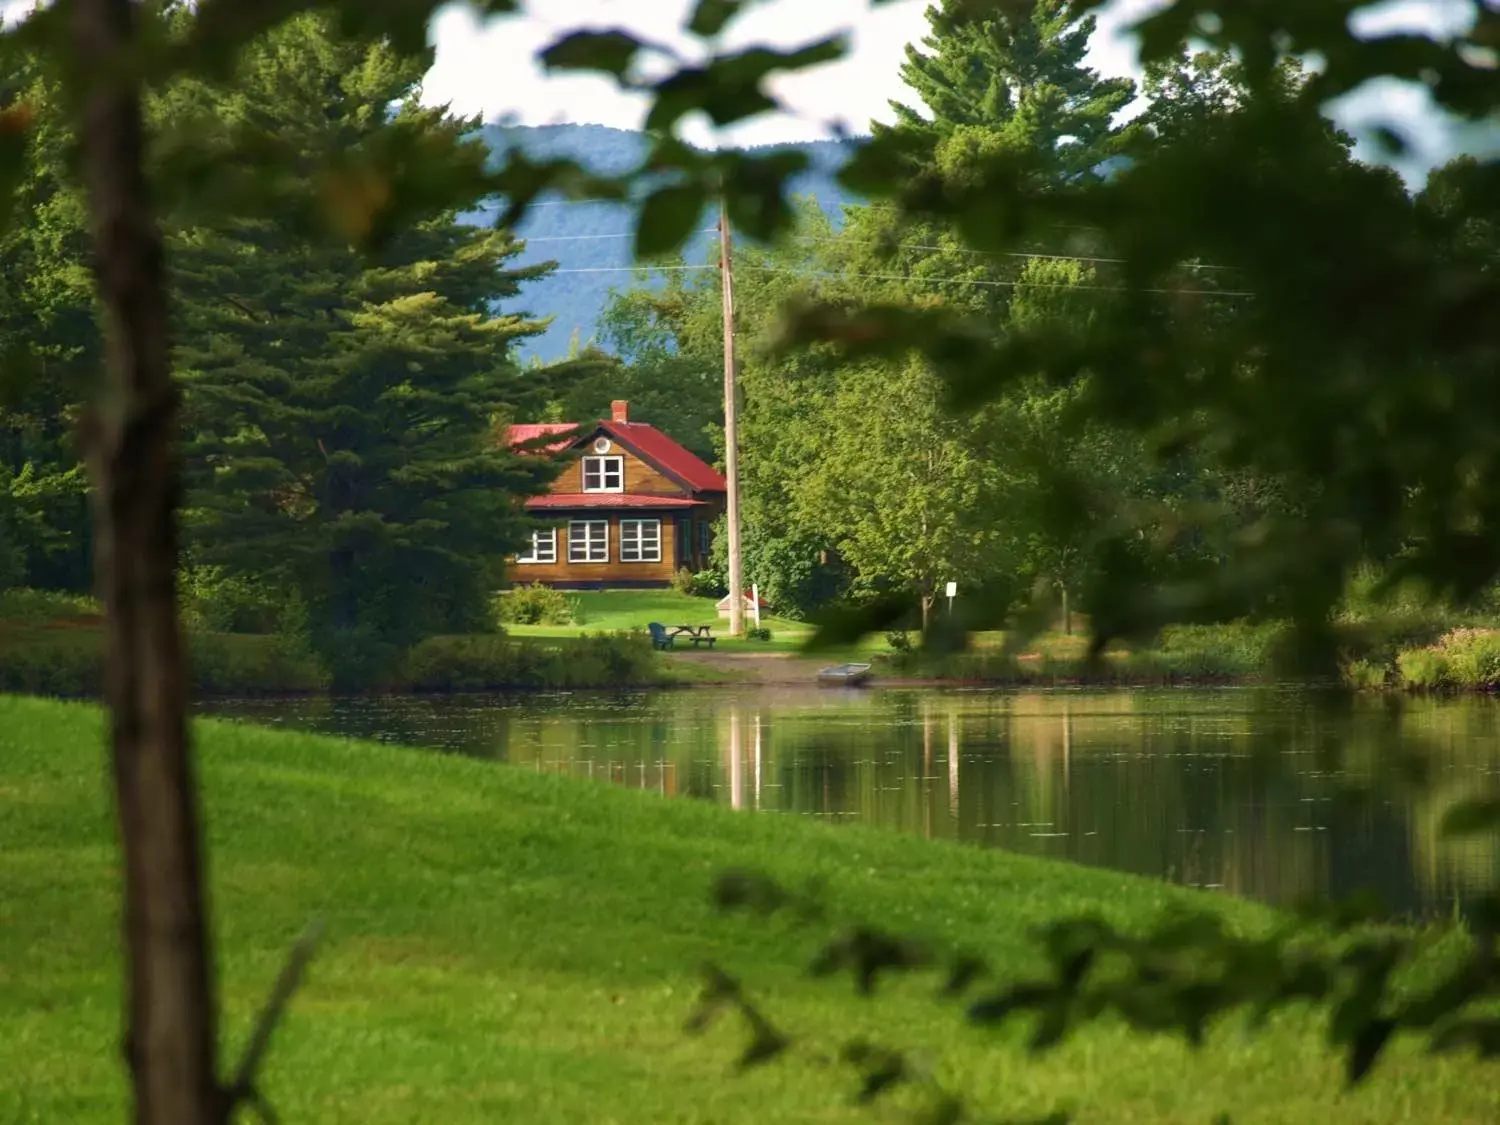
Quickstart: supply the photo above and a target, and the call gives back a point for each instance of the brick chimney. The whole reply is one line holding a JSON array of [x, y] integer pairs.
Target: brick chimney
[[619, 411]]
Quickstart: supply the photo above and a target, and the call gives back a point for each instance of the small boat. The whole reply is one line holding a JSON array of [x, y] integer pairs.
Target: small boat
[[845, 675]]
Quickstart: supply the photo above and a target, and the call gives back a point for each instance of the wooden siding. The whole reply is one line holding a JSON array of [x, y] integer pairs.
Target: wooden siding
[[604, 573], [641, 479]]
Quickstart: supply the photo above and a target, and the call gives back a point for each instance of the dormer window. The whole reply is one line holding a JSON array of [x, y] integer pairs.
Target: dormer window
[[604, 474]]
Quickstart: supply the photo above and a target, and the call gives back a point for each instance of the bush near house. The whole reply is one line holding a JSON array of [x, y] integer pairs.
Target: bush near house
[[536, 604]]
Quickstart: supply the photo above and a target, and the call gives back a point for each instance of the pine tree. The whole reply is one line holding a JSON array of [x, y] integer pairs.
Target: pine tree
[[49, 349], [1022, 77], [344, 412]]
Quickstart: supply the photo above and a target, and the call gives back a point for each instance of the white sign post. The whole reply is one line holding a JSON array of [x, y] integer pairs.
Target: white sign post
[[755, 609], [952, 593]]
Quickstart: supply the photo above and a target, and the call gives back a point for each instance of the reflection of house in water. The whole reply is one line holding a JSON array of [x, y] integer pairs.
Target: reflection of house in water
[[743, 756], [1200, 788]]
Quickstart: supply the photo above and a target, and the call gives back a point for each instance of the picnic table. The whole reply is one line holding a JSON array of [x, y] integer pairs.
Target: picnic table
[[697, 634]]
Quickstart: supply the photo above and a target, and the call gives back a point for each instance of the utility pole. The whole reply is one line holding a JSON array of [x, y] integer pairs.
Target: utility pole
[[731, 435]]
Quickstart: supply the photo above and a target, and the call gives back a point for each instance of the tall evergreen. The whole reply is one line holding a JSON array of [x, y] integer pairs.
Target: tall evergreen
[[987, 84], [49, 349], [1020, 75], [345, 412]]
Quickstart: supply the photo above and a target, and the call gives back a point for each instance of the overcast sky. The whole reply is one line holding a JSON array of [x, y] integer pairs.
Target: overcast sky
[[490, 69]]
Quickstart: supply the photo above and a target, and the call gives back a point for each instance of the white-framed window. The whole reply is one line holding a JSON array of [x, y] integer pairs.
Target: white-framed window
[[640, 540], [705, 538], [543, 547], [604, 474], [588, 541]]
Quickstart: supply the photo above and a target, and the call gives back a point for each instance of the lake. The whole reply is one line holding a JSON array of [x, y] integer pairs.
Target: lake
[[1270, 793]]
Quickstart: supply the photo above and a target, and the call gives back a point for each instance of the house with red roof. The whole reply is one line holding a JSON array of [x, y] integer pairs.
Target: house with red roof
[[630, 508]]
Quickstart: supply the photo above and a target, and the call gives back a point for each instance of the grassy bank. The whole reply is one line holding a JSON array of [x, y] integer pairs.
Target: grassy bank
[[1186, 655], [66, 659], [504, 945]]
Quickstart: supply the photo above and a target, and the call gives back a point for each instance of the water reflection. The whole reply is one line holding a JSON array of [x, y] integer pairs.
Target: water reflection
[[1235, 789]]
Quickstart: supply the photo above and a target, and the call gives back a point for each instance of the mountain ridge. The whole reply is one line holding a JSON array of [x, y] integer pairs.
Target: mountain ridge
[[595, 237]]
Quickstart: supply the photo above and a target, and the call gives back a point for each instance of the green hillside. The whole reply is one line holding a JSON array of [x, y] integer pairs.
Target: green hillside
[[504, 945], [595, 236]]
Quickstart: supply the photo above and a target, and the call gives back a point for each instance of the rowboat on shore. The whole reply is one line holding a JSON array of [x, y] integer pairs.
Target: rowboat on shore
[[844, 675]]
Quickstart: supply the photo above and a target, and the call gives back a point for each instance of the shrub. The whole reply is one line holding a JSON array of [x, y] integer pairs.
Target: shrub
[[758, 634], [38, 607], [359, 659], [61, 662], [1365, 675], [239, 664], [217, 602], [1423, 668], [1473, 657], [1461, 658], [535, 605], [70, 663], [682, 581], [492, 663], [708, 583], [899, 640], [1231, 649]]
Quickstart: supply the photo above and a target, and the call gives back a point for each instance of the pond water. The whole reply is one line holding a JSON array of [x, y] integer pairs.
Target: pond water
[[1275, 794]]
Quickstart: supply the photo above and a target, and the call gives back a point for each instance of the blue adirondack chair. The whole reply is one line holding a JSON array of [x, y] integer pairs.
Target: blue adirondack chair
[[659, 637]]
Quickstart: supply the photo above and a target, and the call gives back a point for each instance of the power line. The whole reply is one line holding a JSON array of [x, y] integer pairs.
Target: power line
[[1025, 255], [588, 237], [984, 282], [630, 269]]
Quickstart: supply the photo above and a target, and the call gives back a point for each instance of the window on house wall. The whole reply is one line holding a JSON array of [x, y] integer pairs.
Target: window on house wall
[[640, 540], [604, 474], [543, 547], [588, 541], [705, 538]]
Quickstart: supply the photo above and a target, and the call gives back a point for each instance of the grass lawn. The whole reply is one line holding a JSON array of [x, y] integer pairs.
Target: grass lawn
[[507, 946], [614, 610]]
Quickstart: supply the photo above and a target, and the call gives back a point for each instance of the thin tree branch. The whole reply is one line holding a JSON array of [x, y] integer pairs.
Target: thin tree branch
[[242, 1090]]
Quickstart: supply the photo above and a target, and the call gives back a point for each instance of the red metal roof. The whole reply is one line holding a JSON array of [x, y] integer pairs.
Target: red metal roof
[[646, 440], [608, 500], [658, 447]]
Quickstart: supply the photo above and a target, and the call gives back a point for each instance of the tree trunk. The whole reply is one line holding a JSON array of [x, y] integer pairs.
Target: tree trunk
[[927, 600], [130, 443], [1067, 611]]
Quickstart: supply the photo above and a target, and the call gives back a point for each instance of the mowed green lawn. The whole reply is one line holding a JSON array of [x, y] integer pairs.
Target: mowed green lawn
[[606, 611], [616, 610], [505, 946]]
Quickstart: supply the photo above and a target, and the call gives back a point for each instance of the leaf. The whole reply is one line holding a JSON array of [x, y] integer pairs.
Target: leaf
[[1472, 818], [870, 954], [1365, 1049], [608, 52], [1020, 997], [881, 1067], [720, 990], [728, 89], [710, 17], [845, 625], [668, 218], [766, 1041], [964, 971], [1483, 1035]]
